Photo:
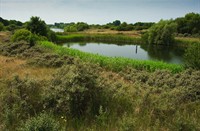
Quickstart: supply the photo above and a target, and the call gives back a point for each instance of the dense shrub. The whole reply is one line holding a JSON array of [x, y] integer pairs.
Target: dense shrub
[[189, 24], [22, 34], [20, 100], [80, 26], [74, 91], [161, 33], [192, 56], [42, 122]]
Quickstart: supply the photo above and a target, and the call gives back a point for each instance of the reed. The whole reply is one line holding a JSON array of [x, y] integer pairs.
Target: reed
[[119, 39]]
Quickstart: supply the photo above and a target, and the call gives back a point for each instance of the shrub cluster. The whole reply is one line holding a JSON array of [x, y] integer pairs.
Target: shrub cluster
[[161, 33], [192, 56]]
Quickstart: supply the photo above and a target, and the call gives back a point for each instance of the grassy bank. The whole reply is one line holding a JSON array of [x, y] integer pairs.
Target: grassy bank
[[115, 64], [118, 39]]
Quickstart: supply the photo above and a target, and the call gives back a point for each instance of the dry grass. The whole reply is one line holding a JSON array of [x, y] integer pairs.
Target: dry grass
[[10, 66], [113, 32], [192, 39], [4, 36]]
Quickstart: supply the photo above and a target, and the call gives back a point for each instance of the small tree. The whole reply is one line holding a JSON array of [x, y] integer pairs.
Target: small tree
[[37, 26], [161, 33], [192, 56]]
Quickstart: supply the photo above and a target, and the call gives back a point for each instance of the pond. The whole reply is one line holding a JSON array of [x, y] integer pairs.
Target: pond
[[57, 30], [166, 54]]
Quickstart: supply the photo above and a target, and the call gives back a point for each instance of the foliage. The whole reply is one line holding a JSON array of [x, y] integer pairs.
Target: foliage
[[25, 35], [51, 36], [19, 100], [74, 91], [161, 33], [124, 27], [192, 56], [116, 22], [142, 25], [11, 25], [37, 26], [1, 26], [42, 122], [22, 34], [190, 24], [80, 26]]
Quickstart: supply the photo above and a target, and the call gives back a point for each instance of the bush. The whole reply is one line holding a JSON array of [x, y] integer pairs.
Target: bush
[[20, 100], [43, 122], [22, 34], [25, 35], [161, 33], [192, 56], [80, 26], [74, 91]]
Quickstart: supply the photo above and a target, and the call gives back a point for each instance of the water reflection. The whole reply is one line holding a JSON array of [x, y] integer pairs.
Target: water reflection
[[169, 54], [144, 52]]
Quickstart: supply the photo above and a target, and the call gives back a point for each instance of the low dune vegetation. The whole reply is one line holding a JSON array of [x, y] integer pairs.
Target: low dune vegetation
[[44, 86]]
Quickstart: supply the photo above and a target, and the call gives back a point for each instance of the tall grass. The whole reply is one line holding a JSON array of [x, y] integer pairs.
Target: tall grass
[[116, 63], [119, 39], [185, 41]]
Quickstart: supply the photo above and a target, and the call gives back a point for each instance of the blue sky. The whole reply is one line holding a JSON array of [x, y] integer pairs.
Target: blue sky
[[97, 11]]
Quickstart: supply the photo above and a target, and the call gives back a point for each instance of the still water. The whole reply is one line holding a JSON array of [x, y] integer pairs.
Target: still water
[[57, 30], [157, 53]]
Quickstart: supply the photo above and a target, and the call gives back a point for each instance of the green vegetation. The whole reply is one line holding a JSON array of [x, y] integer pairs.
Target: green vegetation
[[1, 26], [192, 56], [42, 122], [119, 39], [37, 26], [44, 86], [22, 34], [161, 33], [85, 96], [72, 27], [189, 25], [11, 25], [115, 64]]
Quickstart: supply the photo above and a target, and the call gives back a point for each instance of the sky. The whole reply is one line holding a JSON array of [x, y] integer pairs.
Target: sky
[[97, 11]]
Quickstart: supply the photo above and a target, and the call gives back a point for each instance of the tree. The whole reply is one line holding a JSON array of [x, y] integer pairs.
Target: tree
[[161, 33], [72, 27], [81, 26], [189, 24], [116, 22], [37, 26]]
